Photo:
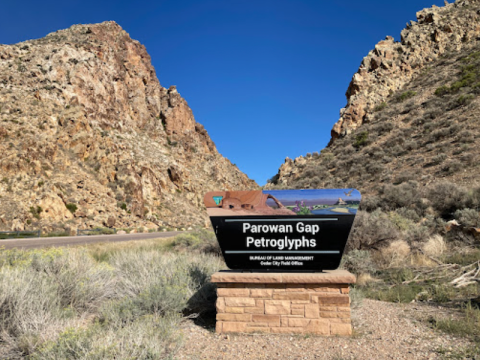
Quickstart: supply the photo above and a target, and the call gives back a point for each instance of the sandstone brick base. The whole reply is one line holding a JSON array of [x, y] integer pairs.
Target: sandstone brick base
[[291, 303]]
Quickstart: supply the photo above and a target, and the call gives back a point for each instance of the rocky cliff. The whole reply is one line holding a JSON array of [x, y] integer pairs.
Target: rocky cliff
[[412, 112], [392, 64], [89, 137]]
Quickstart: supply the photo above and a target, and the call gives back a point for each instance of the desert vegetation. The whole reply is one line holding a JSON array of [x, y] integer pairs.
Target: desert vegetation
[[403, 256], [425, 132], [437, 274], [129, 300], [416, 237], [115, 301]]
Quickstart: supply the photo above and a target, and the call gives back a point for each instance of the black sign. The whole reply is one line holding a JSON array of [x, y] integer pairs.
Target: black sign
[[283, 230]]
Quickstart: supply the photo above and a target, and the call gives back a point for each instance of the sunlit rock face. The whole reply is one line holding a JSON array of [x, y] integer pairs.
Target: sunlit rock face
[[85, 121], [412, 114], [391, 65]]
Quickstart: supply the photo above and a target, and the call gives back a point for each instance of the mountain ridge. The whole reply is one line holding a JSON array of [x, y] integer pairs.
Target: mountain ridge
[[408, 121], [392, 64], [90, 138]]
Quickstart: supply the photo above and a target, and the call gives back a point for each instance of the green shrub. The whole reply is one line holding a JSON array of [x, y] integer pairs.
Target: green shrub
[[397, 196], [398, 276], [399, 221], [137, 295], [466, 80], [398, 294], [468, 217], [403, 177], [36, 211], [148, 337], [83, 284], [370, 203], [417, 233], [462, 258], [442, 293], [407, 95], [358, 262], [41, 289], [150, 282], [356, 296], [465, 136], [71, 207], [380, 106], [438, 134], [203, 241], [29, 306], [468, 325], [447, 197], [465, 99], [375, 168], [371, 230], [452, 167], [361, 139], [410, 214], [327, 156], [438, 159], [411, 145], [383, 127]]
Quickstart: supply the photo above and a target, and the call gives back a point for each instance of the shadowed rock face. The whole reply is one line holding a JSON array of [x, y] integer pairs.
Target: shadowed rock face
[[391, 65], [84, 120]]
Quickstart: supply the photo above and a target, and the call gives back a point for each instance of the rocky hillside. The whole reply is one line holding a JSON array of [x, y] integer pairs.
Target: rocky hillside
[[391, 65], [412, 111], [89, 137]]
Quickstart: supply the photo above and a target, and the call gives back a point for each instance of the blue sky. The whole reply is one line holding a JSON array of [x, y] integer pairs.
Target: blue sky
[[266, 78]]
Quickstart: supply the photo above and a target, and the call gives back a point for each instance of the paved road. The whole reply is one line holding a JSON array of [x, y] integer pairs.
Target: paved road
[[80, 240]]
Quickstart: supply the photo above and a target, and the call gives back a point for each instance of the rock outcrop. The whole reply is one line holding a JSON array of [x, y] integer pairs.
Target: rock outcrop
[[89, 137], [412, 112], [391, 65]]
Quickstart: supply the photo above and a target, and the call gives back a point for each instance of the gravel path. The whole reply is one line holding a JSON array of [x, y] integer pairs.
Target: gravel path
[[381, 331]]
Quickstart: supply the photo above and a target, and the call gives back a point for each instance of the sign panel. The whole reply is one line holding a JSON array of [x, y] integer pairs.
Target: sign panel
[[283, 230]]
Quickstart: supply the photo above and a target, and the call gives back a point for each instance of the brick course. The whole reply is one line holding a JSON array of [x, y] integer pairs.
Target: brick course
[[272, 303]]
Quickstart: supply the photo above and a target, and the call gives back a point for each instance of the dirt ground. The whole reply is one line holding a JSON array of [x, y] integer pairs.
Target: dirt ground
[[381, 331]]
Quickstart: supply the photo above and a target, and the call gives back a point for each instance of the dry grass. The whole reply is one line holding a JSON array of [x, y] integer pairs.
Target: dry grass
[[395, 254], [121, 300], [417, 259], [102, 251], [364, 279], [435, 246]]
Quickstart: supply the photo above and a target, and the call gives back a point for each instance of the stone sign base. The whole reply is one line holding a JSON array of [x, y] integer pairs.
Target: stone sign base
[[287, 303]]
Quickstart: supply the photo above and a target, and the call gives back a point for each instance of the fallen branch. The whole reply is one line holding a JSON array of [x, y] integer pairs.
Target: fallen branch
[[468, 278]]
